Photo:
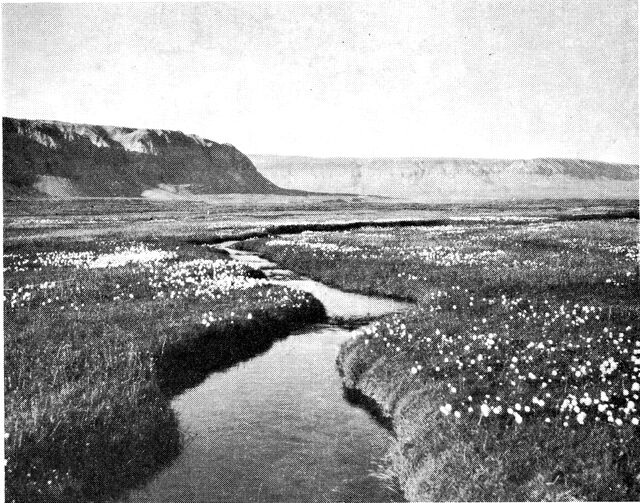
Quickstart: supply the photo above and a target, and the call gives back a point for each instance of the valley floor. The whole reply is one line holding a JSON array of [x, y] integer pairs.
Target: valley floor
[[113, 306]]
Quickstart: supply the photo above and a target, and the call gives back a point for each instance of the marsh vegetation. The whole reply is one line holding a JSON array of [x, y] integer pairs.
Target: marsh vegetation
[[518, 374], [99, 335], [515, 376]]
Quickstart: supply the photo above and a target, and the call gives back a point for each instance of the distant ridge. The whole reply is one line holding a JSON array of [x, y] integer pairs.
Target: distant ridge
[[454, 179], [63, 159]]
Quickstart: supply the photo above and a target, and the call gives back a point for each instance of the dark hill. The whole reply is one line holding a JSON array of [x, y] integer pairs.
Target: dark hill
[[66, 160]]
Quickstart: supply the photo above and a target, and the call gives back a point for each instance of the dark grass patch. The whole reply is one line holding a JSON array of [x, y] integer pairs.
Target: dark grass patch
[[73, 460], [276, 230], [320, 227], [359, 399], [187, 363]]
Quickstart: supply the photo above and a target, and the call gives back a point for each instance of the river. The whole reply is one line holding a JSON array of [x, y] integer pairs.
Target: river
[[277, 427]]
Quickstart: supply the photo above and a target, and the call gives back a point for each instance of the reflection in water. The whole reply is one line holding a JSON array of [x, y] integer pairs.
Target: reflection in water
[[276, 427]]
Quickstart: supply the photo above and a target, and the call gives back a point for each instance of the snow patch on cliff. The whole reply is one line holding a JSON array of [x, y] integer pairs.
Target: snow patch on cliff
[[137, 140], [55, 186]]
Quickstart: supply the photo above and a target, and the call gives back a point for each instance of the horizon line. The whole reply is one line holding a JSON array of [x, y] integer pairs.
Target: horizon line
[[349, 157], [441, 157]]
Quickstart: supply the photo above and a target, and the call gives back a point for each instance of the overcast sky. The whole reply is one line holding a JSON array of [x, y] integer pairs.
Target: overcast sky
[[515, 79]]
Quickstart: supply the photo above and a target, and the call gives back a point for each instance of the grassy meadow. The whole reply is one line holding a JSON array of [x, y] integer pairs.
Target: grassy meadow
[[517, 375], [228, 216], [99, 335], [113, 306]]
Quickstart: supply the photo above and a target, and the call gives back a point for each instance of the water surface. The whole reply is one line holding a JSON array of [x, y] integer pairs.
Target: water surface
[[336, 302]]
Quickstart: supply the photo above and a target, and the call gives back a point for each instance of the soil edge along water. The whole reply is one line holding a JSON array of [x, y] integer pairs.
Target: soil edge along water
[[278, 427]]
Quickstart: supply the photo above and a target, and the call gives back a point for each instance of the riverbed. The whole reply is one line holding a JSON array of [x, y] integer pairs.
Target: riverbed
[[277, 427]]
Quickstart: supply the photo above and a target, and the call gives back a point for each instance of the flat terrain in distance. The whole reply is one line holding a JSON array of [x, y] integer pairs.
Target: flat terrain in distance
[[227, 214]]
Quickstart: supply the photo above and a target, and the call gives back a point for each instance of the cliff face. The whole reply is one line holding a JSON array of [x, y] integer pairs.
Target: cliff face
[[452, 179], [64, 159], [70, 160]]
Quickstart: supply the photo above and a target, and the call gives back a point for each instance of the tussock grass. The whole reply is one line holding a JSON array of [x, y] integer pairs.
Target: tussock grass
[[517, 375]]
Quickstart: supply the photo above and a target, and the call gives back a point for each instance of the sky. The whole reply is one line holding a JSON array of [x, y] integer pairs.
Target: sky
[[493, 79]]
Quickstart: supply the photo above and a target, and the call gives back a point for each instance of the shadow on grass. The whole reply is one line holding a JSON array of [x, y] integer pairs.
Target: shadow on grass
[[358, 399], [274, 230], [187, 363], [79, 464], [299, 228]]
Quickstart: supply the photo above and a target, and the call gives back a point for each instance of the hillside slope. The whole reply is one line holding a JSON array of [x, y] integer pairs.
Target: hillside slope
[[450, 179], [67, 160]]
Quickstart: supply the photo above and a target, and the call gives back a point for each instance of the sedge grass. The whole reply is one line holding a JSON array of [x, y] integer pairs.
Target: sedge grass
[[517, 375], [93, 355]]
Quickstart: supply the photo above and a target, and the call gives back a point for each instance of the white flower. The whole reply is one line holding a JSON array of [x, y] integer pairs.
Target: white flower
[[446, 409]]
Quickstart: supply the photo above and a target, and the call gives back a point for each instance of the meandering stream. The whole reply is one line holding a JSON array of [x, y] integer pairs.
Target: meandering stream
[[277, 427]]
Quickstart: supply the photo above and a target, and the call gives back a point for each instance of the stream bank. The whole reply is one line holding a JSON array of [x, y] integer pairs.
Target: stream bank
[[277, 427]]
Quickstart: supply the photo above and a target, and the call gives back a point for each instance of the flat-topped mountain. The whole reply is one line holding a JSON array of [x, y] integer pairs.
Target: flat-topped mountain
[[452, 179], [74, 160], [65, 160]]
